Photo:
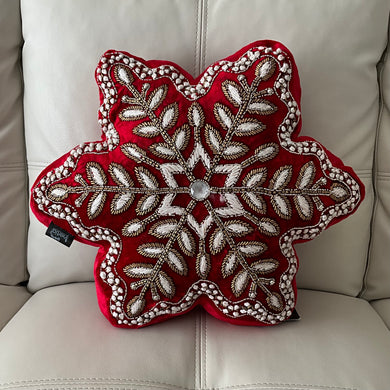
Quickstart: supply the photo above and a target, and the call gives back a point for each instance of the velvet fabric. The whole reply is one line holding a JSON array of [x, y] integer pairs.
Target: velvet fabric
[[198, 188]]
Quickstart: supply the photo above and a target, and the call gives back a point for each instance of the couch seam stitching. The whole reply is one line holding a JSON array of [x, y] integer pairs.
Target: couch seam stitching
[[13, 166], [196, 362], [383, 175], [205, 349], [203, 367], [85, 381], [205, 27], [37, 164], [68, 382], [197, 38], [269, 386]]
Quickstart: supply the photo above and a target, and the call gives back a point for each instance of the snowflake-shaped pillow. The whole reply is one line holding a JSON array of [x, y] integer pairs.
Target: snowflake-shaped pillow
[[198, 188]]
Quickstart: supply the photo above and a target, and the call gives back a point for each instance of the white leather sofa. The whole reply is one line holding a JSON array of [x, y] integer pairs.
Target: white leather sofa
[[53, 335]]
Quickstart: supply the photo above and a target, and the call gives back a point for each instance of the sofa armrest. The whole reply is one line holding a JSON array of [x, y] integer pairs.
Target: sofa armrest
[[382, 306], [12, 298]]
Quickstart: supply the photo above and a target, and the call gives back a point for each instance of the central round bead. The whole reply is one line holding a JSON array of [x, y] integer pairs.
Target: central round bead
[[199, 190]]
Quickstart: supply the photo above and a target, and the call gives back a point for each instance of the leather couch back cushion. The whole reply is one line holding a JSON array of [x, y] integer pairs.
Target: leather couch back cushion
[[13, 196], [339, 101], [378, 271]]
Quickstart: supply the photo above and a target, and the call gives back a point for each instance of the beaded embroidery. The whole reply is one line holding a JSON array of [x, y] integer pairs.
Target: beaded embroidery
[[209, 189]]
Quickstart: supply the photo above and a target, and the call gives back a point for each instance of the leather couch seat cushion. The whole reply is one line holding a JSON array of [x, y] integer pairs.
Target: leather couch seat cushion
[[12, 298], [340, 343]]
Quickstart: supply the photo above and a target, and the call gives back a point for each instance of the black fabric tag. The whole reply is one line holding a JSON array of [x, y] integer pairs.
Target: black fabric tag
[[59, 234], [294, 316]]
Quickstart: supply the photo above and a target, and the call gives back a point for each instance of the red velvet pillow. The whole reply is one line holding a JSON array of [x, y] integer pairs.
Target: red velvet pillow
[[198, 188]]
